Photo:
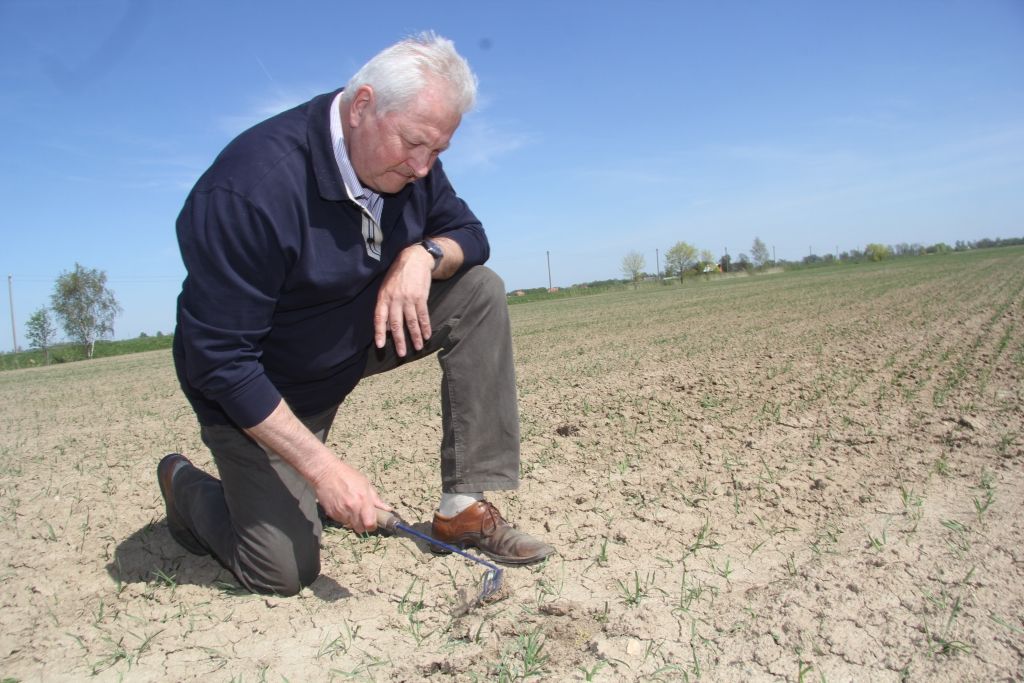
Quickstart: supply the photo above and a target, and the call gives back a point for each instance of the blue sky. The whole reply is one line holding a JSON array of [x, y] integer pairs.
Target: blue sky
[[603, 127]]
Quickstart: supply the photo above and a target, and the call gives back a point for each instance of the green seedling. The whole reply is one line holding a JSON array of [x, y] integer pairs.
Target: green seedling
[[709, 401], [230, 589], [525, 659], [689, 593], [724, 571], [947, 647], [1002, 622], [410, 606], [703, 540], [877, 542], [982, 506], [588, 674], [166, 580], [364, 671], [957, 540], [633, 593], [802, 669], [601, 558], [340, 644], [913, 506], [120, 652], [549, 590], [826, 541]]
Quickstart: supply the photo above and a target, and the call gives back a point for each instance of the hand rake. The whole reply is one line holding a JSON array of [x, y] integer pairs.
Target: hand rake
[[491, 583]]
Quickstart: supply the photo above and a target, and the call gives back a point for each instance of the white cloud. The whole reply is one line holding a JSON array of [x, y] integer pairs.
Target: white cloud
[[480, 142], [233, 124]]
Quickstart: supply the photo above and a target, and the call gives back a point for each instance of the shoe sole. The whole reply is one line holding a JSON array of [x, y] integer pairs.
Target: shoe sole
[[500, 559], [179, 531]]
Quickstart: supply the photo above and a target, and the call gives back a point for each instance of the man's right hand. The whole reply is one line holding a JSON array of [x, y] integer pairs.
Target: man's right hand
[[348, 497]]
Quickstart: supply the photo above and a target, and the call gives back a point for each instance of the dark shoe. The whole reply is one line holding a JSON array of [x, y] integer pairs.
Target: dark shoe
[[175, 524], [481, 526]]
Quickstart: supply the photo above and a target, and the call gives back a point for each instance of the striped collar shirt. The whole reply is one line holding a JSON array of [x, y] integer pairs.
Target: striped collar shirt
[[371, 203]]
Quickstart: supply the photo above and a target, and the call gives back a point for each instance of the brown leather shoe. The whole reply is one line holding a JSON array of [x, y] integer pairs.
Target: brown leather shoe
[[481, 526], [175, 524]]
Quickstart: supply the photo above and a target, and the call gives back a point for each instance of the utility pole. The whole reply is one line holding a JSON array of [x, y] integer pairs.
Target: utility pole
[[550, 286], [10, 297], [657, 263], [773, 254]]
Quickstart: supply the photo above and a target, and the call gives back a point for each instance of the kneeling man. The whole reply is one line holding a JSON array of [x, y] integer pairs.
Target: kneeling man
[[322, 246]]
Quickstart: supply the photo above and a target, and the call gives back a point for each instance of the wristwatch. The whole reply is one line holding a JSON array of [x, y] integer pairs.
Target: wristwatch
[[435, 250]]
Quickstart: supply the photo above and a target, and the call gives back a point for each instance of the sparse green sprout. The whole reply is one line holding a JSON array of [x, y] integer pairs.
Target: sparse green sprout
[[981, 506], [588, 674], [523, 659], [957, 540], [877, 542], [634, 593], [803, 668], [340, 644], [703, 539], [913, 506], [164, 579], [602, 553], [725, 571]]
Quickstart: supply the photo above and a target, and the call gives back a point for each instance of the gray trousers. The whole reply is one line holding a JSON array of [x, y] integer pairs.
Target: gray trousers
[[260, 518]]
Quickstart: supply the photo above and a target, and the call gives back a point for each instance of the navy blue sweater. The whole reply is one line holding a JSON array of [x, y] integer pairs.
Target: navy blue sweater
[[279, 297]]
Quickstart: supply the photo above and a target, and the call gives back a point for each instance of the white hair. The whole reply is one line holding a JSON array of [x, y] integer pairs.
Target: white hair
[[398, 73]]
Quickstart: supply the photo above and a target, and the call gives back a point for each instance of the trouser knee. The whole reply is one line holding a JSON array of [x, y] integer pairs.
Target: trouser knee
[[284, 574], [488, 283]]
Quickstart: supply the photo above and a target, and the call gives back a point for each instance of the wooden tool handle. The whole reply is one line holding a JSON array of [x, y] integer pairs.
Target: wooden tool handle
[[387, 520]]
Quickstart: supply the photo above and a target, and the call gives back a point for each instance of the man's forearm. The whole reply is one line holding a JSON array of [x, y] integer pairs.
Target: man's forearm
[[284, 434], [344, 493]]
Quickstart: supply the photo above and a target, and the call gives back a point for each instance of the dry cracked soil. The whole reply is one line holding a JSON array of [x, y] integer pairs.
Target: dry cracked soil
[[803, 476]]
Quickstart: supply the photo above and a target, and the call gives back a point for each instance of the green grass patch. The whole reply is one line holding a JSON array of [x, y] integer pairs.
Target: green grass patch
[[68, 353]]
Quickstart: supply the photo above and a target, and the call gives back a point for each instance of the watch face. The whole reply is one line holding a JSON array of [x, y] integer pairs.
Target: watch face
[[434, 249]]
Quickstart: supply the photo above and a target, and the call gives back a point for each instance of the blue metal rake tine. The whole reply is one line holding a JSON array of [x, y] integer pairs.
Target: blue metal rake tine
[[493, 577]]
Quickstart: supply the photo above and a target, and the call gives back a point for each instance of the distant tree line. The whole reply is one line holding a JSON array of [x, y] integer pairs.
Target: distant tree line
[[881, 252], [684, 259]]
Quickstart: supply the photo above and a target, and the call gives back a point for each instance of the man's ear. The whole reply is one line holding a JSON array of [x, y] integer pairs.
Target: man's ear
[[363, 105]]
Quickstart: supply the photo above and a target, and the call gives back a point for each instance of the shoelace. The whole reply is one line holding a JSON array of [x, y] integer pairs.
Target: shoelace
[[492, 515]]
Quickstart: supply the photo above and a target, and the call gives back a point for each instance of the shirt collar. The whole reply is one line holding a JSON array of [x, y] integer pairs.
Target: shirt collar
[[354, 189]]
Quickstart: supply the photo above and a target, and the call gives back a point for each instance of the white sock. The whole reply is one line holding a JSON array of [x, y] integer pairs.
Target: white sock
[[454, 503]]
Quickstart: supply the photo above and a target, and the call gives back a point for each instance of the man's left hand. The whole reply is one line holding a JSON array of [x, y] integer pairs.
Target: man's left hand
[[402, 301]]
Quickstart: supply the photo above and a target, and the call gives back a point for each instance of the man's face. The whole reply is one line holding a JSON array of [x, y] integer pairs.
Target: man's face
[[391, 150]]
